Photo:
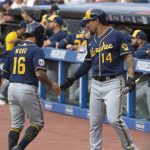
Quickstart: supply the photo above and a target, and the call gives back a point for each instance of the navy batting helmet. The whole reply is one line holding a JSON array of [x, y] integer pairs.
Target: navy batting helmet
[[93, 14], [37, 30]]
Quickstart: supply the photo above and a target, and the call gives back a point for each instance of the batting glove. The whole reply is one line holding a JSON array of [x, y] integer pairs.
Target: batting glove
[[130, 83], [67, 84]]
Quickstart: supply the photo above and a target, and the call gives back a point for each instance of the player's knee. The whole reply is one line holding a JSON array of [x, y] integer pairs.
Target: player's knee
[[17, 126], [112, 120], [96, 121], [38, 125]]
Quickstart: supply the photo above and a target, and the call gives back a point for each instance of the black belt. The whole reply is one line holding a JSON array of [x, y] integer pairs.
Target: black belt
[[103, 78]]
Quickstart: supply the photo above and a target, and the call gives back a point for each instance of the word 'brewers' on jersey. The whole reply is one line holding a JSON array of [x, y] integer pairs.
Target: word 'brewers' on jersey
[[22, 63], [106, 52]]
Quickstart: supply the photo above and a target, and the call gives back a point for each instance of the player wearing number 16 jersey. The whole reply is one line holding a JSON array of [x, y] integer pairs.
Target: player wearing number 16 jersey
[[24, 67], [76, 40]]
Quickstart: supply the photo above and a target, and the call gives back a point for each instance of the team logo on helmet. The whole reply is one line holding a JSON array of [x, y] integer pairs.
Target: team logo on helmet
[[41, 62]]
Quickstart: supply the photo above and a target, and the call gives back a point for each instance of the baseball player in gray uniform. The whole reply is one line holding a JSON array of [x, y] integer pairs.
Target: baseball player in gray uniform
[[24, 67], [107, 50]]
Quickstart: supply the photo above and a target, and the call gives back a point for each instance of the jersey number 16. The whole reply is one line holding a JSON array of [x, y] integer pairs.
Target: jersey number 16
[[19, 65]]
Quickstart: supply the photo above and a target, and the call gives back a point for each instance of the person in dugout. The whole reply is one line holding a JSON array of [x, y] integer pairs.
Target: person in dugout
[[78, 42], [142, 51], [11, 40], [55, 23]]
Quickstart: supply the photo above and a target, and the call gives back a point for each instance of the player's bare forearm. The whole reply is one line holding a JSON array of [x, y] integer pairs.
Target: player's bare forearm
[[47, 43], [130, 64], [42, 77]]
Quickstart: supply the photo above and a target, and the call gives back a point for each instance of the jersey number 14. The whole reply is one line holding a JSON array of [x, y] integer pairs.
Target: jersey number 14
[[19, 65], [106, 57]]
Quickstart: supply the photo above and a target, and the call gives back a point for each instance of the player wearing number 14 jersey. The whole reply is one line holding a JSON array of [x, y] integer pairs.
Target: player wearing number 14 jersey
[[108, 48]]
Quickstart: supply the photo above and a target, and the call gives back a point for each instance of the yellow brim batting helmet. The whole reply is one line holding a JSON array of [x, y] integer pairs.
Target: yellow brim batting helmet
[[93, 14]]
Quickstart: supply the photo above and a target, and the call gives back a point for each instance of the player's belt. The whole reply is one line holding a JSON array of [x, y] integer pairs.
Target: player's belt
[[101, 79]]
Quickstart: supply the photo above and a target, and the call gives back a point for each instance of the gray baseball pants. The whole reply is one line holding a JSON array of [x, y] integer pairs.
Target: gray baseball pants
[[24, 100], [106, 99]]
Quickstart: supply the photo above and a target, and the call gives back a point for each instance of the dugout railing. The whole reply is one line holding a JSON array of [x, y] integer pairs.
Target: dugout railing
[[62, 56]]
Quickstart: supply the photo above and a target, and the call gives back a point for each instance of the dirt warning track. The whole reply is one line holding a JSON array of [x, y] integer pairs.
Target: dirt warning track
[[63, 132]]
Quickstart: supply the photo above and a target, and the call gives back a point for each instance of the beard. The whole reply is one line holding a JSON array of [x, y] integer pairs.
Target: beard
[[92, 32]]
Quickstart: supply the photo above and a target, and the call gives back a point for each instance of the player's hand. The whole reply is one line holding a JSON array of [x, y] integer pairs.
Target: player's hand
[[69, 46], [55, 88], [148, 52], [67, 84], [130, 83]]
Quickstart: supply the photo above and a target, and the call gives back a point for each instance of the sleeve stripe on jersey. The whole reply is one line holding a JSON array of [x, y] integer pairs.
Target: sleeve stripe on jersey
[[125, 53], [87, 59], [41, 68], [65, 41], [5, 71]]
